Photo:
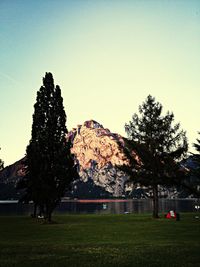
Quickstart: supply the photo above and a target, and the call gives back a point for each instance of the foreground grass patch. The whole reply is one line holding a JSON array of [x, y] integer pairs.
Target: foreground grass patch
[[100, 240]]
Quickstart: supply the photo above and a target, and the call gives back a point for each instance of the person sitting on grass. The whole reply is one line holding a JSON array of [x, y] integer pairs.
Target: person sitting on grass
[[172, 215]]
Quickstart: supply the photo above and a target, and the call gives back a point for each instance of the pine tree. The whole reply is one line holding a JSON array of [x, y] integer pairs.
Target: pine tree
[[50, 165], [159, 145]]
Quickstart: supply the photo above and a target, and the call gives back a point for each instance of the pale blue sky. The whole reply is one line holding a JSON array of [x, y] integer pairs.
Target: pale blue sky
[[107, 56]]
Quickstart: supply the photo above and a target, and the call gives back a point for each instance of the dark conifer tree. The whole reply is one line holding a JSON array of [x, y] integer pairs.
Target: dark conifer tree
[[50, 165], [159, 144]]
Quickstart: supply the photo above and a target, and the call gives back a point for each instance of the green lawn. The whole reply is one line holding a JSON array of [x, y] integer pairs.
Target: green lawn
[[100, 240]]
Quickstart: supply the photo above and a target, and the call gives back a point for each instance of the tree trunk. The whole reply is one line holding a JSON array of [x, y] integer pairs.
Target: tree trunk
[[48, 213], [34, 211], [155, 201], [49, 217], [41, 210]]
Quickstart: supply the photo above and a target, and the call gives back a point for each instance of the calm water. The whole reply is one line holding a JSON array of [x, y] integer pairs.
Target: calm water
[[116, 207]]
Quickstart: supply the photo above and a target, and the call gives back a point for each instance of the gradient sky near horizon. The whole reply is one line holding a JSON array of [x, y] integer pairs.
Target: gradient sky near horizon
[[107, 56]]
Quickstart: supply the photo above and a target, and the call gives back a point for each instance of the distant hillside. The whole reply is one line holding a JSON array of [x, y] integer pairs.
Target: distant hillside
[[9, 177]]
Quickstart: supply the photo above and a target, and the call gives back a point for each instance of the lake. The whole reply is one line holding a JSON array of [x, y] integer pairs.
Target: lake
[[106, 206]]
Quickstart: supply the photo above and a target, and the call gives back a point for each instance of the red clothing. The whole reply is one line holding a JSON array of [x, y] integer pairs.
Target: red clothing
[[171, 215]]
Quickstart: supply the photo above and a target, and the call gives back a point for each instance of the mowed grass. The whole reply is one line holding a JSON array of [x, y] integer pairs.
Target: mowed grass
[[100, 240]]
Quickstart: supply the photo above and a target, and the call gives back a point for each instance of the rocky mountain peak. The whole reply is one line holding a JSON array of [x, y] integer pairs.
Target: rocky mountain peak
[[98, 152], [93, 144], [92, 124]]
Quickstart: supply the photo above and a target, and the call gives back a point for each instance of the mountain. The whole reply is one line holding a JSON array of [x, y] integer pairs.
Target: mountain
[[98, 152]]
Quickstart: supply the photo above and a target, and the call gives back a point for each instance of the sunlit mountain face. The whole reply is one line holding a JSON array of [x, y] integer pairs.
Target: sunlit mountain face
[[98, 152]]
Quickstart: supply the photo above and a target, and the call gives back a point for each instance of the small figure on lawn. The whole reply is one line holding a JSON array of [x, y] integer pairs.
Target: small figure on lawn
[[172, 215]]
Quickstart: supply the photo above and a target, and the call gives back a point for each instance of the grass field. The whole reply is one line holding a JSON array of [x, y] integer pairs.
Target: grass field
[[100, 240]]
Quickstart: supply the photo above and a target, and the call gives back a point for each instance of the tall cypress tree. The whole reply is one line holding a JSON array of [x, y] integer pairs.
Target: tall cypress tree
[[159, 144], [50, 165]]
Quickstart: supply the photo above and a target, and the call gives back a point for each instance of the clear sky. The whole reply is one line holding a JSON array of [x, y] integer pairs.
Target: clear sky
[[107, 56]]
